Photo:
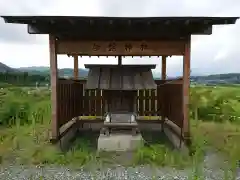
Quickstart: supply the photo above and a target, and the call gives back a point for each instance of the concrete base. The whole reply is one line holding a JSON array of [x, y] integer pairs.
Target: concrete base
[[119, 142], [69, 130], [175, 140]]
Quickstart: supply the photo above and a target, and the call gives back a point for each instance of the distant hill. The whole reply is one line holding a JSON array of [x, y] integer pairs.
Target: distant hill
[[229, 78], [34, 68], [5, 68], [64, 72], [69, 72]]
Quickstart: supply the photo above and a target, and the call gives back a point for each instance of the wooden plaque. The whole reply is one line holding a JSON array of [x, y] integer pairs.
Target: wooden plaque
[[124, 48]]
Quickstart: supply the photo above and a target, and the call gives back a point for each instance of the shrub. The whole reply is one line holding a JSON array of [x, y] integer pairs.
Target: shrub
[[17, 106], [215, 104]]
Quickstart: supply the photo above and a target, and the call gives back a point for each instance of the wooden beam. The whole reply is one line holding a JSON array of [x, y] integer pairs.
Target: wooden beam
[[164, 67], [75, 58], [186, 89], [124, 48], [54, 76]]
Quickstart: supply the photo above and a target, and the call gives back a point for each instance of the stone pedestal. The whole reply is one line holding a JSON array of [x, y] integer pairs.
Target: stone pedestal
[[119, 142]]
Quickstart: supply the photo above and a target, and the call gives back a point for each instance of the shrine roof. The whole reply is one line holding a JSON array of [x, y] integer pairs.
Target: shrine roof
[[119, 28], [120, 77], [145, 66]]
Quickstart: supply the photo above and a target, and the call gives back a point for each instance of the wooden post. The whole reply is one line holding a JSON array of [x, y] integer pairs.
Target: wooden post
[[119, 60], [164, 66], [75, 66], [163, 98], [54, 76], [186, 89]]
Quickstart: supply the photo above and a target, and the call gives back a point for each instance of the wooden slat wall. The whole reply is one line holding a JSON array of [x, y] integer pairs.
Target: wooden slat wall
[[74, 101], [173, 103], [92, 103], [69, 97]]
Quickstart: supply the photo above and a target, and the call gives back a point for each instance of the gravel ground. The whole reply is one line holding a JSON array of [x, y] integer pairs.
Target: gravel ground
[[117, 173]]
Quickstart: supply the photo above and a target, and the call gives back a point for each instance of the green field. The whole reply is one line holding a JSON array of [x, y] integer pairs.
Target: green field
[[25, 126]]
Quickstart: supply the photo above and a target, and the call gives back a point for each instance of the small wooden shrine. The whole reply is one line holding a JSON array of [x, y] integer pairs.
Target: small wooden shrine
[[120, 36], [119, 85]]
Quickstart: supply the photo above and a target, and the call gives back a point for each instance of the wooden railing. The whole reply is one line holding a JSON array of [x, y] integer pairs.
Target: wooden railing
[[74, 101]]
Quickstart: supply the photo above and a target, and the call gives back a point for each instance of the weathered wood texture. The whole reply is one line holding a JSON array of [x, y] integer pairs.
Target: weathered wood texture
[[119, 100], [124, 48], [119, 28], [186, 89], [70, 100], [74, 101], [54, 88], [124, 77], [75, 65]]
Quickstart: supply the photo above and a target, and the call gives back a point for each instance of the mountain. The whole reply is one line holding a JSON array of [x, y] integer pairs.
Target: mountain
[[229, 78], [5, 68], [156, 74], [68, 72], [34, 68], [64, 72]]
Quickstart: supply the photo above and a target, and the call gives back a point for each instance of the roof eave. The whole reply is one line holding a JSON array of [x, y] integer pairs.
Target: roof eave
[[28, 19], [45, 24]]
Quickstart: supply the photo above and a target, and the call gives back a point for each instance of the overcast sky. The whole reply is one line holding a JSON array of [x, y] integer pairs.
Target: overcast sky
[[218, 53]]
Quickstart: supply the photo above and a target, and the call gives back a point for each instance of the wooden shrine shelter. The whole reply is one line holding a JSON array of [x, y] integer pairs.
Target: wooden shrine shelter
[[120, 36], [120, 83]]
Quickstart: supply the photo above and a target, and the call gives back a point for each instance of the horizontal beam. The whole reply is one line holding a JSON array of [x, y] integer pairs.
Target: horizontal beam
[[124, 48]]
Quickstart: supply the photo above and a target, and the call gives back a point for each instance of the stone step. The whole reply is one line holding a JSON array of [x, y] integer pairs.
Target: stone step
[[119, 142]]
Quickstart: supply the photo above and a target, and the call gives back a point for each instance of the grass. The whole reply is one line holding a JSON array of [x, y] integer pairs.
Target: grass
[[25, 126], [222, 137], [30, 145]]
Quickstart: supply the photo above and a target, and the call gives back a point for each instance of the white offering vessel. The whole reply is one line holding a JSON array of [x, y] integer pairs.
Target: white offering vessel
[[107, 118], [133, 119]]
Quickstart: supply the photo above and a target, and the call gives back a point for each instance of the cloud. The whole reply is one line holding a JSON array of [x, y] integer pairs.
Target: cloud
[[217, 53], [17, 33]]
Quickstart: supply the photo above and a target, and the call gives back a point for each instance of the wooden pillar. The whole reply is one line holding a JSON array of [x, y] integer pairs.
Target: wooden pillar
[[164, 67], [119, 60], [54, 76], [163, 98], [186, 89], [75, 72]]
